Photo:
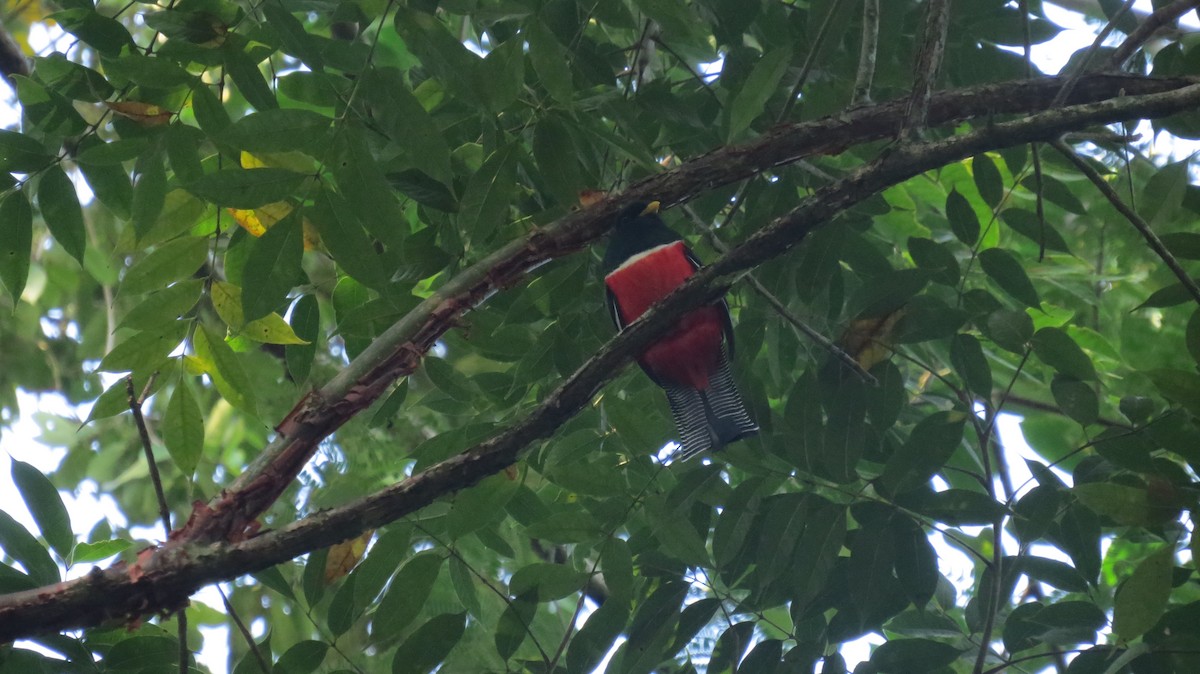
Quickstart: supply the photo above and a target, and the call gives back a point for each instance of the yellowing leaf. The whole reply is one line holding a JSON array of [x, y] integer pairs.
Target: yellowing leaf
[[270, 329], [256, 221], [146, 114], [343, 557], [869, 340]]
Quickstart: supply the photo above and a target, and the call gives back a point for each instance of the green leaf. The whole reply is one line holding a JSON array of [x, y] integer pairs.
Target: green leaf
[[46, 506], [406, 596], [987, 179], [440, 52], [98, 551], [1026, 224], [210, 114], [222, 364], [21, 154], [305, 322], [104, 33], [139, 653], [1123, 504], [296, 41], [1056, 193], [20, 545], [244, 72], [183, 429], [1055, 348], [247, 188], [169, 262], [551, 61], [149, 192], [303, 657], [731, 645], [1183, 245], [1053, 572], [145, 351], [1009, 329], [1179, 387], [966, 355], [163, 306], [347, 243], [514, 626], [276, 130], [1076, 399], [594, 640], [409, 124], [486, 199], [959, 507], [762, 82], [71, 79], [425, 648], [935, 257], [546, 581], [362, 183], [558, 160], [502, 74], [1005, 269], [147, 71], [272, 267], [423, 189], [112, 187], [928, 447], [1142, 598], [963, 221], [16, 242], [905, 656]]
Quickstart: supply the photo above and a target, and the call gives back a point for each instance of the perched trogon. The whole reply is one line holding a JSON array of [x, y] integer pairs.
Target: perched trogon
[[644, 262]]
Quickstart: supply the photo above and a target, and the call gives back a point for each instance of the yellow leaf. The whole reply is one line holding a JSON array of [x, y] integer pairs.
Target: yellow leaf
[[344, 556], [195, 366], [270, 329], [258, 220], [869, 340], [146, 114]]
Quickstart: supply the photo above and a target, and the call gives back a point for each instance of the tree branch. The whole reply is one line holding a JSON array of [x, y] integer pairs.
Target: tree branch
[[1146, 30], [172, 573], [865, 74], [929, 64], [398, 351]]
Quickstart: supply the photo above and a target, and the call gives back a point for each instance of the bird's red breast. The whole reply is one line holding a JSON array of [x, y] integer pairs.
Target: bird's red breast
[[690, 353]]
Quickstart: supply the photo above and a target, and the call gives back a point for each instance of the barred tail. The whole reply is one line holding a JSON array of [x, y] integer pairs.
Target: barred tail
[[710, 419]]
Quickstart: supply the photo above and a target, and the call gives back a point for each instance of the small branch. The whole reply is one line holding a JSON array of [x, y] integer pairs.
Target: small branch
[[1134, 219], [929, 64], [1148, 28], [809, 60], [263, 663], [867, 54], [1086, 63], [135, 406], [1040, 406]]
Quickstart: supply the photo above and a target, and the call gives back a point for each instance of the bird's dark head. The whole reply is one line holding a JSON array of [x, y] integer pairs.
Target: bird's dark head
[[638, 228]]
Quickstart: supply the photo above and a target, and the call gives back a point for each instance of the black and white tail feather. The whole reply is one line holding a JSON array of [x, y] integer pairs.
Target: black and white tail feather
[[711, 419]]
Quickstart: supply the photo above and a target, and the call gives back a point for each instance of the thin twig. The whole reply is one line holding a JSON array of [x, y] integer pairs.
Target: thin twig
[[809, 60], [135, 406], [1147, 29], [867, 54], [929, 63], [1084, 64], [1134, 219], [249, 638]]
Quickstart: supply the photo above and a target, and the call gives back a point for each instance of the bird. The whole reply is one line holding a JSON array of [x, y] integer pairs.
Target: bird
[[644, 262]]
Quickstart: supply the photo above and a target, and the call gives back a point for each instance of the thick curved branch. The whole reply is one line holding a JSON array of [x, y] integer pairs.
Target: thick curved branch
[[172, 573], [399, 350]]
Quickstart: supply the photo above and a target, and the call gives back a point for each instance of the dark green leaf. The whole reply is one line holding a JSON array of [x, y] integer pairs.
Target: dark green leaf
[[406, 596], [423, 189], [1077, 399], [904, 656], [966, 354], [1055, 348], [276, 130], [1009, 329], [1183, 245], [485, 201], [1056, 193], [60, 208], [272, 268], [20, 545], [758, 88], [302, 658], [46, 506], [22, 154], [169, 262], [1142, 598], [930, 444], [550, 61], [1026, 224], [247, 188], [935, 257], [149, 192], [963, 221], [439, 51], [296, 41], [106, 34], [514, 626], [429, 644], [244, 72], [16, 241], [987, 179], [1179, 387], [1005, 269], [347, 243]]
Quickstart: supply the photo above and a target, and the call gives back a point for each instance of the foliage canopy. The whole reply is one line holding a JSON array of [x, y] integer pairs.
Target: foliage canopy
[[353, 230]]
